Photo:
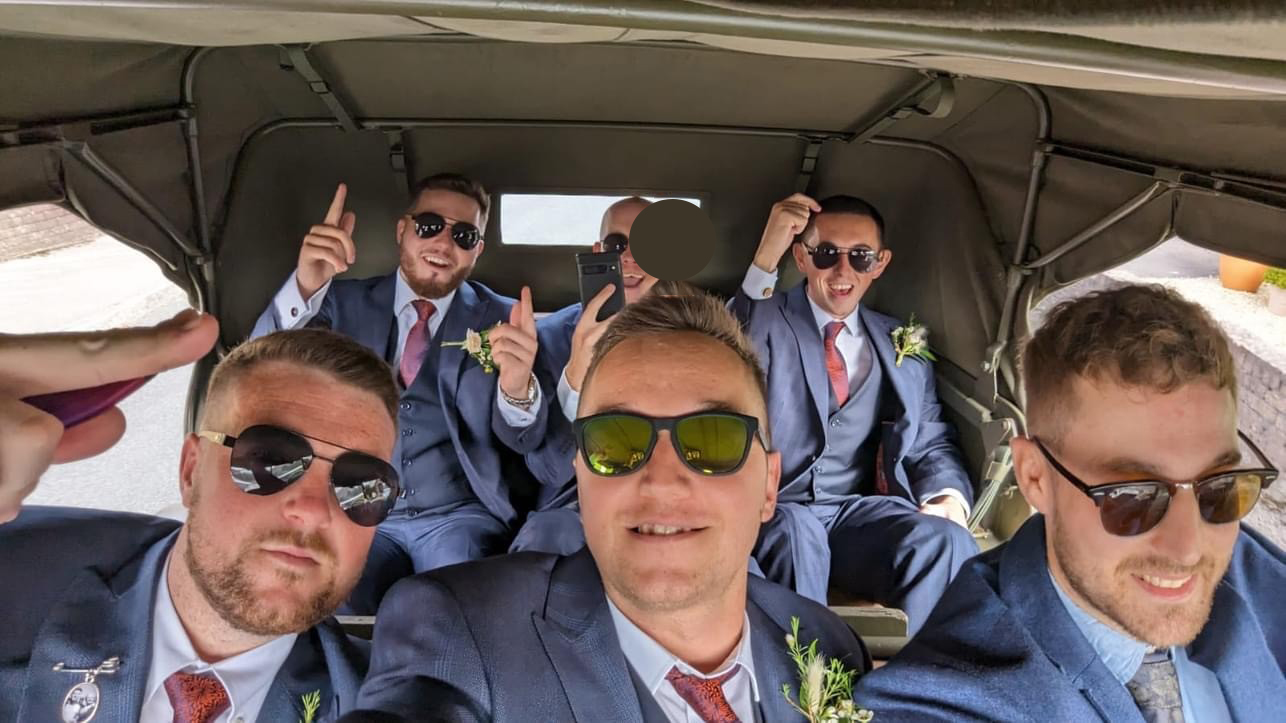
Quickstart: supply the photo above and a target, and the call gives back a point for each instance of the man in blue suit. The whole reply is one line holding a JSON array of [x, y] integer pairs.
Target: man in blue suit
[[567, 339], [1135, 595], [126, 617], [874, 497], [463, 430], [657, 618]]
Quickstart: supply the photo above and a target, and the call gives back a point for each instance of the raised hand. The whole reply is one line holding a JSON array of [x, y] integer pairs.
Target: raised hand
[[586, 334], [31, 365], [328, 249], [514, 345], [786, 221]]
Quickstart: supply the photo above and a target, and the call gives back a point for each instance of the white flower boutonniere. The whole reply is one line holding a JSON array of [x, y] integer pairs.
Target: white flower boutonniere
[[825, 686], [478, 345], [312, 702], [912, 340]]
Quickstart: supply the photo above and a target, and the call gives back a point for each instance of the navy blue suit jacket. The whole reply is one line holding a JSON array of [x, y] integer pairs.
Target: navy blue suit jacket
[[551, 461], [529, 636], [918, 447], [1001, 646], [79, 587], [490, 450]]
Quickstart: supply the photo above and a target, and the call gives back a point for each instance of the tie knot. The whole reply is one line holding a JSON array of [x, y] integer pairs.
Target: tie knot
[[196, 697], [705, 695], [833, 329], [423, 309]]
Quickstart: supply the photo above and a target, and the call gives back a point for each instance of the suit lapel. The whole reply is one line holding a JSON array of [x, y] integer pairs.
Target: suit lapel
[[773, 664], [812, 354], [305, 672], [102, 615], [1027, 589], [466, 313], [580, 640], [380, 336], [878, 336]]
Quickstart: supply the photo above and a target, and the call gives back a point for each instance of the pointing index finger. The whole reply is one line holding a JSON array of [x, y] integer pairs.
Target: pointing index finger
[[336, 210]]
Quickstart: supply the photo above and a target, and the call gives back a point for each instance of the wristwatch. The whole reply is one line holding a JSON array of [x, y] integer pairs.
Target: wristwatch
[[523, 404]]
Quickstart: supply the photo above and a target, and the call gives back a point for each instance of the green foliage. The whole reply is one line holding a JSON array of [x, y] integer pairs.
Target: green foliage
[[1276, 277], [312, 702], [825, 686]]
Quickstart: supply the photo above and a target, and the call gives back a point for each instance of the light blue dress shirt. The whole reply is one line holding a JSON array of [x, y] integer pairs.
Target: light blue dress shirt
[[1203, 700]]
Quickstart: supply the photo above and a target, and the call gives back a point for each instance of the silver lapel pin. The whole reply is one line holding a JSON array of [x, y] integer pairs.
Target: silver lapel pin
[[81, 702]]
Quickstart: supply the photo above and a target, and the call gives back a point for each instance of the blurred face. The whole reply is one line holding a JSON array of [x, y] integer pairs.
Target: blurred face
[[838, 290], [665, 537], [434, 267], [619, 218], [1157, 586], [276, 564]]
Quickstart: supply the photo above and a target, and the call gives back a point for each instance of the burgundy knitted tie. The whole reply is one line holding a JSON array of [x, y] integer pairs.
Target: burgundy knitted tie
[[196, 698], [835, 367], [417, 342], [705, 695]]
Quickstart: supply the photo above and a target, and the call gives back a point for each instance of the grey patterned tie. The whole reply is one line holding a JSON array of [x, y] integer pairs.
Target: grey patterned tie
[[1156, 689]]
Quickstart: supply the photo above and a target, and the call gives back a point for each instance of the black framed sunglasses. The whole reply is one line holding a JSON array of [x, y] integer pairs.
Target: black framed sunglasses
[[267, 459], [614, 444], [1132, 508], [615, 243], [430, 224], [826, 254]]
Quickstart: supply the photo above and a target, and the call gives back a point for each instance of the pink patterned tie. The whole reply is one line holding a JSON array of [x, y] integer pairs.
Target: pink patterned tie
[[705, 695], [835, 367], [196, 698], [417, 342]]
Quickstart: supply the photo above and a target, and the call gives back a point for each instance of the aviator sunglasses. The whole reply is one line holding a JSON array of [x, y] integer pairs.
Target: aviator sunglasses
[[1134, 507], [614, 444], [268, 459], [430, 224], [826, 254]]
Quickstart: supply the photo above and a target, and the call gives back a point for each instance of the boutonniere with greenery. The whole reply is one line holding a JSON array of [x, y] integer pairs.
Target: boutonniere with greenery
[[312, 702], [478, 345], [912, 340], [825, 685]]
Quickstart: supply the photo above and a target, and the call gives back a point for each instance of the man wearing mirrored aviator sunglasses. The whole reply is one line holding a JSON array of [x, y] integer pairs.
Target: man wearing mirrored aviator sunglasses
[[462, 430], [875, 498], [657, 618], [227, 616], [1135, 594]]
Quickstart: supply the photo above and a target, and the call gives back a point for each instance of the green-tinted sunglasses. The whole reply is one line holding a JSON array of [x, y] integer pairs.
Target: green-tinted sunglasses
[[710, 443]]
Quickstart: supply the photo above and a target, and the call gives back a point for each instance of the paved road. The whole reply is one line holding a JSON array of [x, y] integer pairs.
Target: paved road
[[93, 286]]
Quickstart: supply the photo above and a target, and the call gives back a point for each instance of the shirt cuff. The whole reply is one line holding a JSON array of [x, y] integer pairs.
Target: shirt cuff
[[290, 308], [568, 398], [950, 492], [516, 416], [759, 284]]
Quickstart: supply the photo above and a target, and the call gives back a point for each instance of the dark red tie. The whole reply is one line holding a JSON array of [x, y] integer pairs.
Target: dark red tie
[[705, 695], [196, 698], [835, 367], [417, 342]]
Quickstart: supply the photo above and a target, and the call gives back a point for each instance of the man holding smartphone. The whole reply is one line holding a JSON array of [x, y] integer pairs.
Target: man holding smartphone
[[463, 429], [566, 339]]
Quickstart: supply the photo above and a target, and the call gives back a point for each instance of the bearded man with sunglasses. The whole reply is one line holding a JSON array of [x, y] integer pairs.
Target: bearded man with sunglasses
[[225, 618], [874, 498], [1135, 594], [463, 431], [657, 619]]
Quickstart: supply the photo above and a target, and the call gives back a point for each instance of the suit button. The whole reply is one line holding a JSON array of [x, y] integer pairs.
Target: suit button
[[407, 432], [406, 463], [835, 423], [405, 405], [818, 468], [294, 311], [411, 492]]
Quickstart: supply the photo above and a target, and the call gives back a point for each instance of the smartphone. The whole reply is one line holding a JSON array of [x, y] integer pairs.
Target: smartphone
[[596, 271], [78, 405]]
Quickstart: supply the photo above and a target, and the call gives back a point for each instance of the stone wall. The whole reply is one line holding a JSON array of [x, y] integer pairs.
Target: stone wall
[[30, 230]]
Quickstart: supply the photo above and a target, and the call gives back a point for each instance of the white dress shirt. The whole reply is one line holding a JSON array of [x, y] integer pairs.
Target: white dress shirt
[[292, 311], [246, 677], [853, 346], [652, 662]]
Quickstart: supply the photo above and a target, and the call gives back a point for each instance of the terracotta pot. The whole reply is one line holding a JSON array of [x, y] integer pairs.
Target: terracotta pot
[[1240, 274], [1277, 300]]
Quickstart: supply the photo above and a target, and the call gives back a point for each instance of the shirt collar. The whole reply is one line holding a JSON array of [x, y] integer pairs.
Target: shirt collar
[[403, 296], [652, 662], [1121, 653], [244, 676], [821, 318]]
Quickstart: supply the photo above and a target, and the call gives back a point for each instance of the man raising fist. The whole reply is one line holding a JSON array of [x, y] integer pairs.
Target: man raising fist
[[462, 428]]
